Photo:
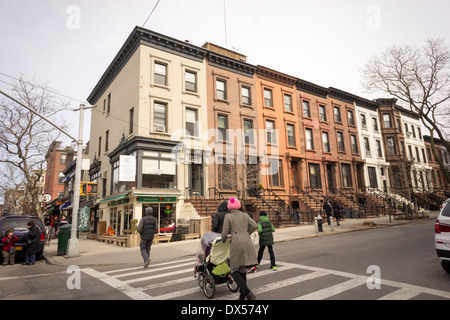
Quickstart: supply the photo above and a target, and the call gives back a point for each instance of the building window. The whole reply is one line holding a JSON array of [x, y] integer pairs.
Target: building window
[[99, 146], [326, 142], [314, 176], [276, 173], [413, 131], [387, 120], [221, 89], [63, 159], [158, 170], [270, 128], [309, 139], [424, 157], [406, 129], [337, 114], [346, 176], [375, 124], [417, 154], [191, 119], [160, 117], [227, 176], [291, 135], [372, 177], [106, 140], [248, 132], [411, 156], [222, 126], [288, 103], [379, 150], [130, 130], [268, 98], [363, 121], [420, 133], [190, 81], [245, 95], [351, 117], [322, 112], [354, 142], [391, 146], [306, 109], [367, 146], [109, 103], [340, 139], [160, 74]]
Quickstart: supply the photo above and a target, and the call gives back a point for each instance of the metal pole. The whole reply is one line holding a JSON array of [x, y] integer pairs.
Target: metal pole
[[72, 246]]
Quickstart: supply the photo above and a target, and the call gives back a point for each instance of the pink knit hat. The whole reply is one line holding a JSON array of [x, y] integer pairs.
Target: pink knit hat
[[234, 203]]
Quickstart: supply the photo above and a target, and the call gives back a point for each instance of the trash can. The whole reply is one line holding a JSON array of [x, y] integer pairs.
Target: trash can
[[63, 238]]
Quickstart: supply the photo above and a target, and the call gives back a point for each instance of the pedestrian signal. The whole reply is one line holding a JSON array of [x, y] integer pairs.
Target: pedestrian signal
[[88, 188]]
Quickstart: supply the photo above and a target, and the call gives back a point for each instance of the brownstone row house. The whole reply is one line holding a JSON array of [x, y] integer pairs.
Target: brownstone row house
[[278, 142]]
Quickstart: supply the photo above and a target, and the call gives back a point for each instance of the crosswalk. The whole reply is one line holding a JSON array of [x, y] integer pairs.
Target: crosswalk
[[175, 280]]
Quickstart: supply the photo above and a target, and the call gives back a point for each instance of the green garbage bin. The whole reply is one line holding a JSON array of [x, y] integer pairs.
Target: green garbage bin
[[63, 238]]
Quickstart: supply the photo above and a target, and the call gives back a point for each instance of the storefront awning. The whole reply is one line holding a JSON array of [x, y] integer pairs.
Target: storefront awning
[[113, 198]]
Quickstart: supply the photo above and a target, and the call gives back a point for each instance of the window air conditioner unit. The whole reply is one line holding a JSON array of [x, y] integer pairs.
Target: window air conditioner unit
[[103, 175], [367, 152], [160, 128], [408, 133]]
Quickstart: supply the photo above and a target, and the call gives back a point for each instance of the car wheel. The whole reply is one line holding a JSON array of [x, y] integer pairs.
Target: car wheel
[[446, 266]]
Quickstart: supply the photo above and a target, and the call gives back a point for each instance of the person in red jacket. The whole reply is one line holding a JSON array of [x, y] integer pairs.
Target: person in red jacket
[[9, 249]]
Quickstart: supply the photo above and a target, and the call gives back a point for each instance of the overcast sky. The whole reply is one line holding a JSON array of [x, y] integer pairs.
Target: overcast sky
[[69, 44]]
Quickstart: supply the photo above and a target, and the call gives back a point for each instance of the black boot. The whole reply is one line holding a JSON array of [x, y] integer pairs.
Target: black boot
[[248, 294]]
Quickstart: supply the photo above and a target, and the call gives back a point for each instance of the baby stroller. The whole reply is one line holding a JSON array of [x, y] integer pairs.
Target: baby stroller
[[213, 265]]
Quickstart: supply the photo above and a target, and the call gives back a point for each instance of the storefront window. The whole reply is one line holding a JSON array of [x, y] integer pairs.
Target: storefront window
[[164, 214]]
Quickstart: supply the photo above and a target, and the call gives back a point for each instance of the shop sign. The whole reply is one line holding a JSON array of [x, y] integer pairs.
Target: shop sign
[[157, 199], [119, 202], [83, 219]]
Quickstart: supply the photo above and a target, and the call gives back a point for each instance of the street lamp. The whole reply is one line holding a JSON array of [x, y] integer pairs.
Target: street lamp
[[72, 247]]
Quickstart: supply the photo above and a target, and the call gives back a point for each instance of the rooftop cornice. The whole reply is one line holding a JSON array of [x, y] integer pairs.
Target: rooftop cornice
[[221, 61], [276, 76], [303, 85]]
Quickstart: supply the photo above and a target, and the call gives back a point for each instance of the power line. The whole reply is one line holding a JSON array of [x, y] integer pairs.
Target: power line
[[151, 13]]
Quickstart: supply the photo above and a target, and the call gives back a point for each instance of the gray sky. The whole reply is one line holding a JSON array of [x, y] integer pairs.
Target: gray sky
[[69, 44]]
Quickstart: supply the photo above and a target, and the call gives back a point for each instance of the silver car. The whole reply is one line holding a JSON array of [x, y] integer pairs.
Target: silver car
[[442, 235]]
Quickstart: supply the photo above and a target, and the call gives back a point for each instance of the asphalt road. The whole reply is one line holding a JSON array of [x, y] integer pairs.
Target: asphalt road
[[331, 267]]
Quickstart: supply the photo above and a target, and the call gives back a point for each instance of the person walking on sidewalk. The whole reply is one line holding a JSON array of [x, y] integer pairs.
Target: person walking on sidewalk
[[146, 228], [242, 251], [337, 211], [266, 230], [328, 210], [222, 211]]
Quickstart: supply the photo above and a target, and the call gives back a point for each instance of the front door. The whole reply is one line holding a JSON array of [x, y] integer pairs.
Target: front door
[[294, 176], [196, 178], [330, 184]]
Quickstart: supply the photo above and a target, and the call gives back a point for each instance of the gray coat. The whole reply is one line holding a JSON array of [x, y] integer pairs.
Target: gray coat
[[240, 226]]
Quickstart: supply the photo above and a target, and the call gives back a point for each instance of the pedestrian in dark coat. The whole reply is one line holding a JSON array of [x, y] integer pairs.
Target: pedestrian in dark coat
[[266, 230], [222, 210], [328, 210], [337, 212], [33, 244], [242, 251], [147, 228]]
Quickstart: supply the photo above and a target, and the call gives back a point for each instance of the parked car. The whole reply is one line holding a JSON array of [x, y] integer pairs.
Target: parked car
[[442, 235], [19, 224]]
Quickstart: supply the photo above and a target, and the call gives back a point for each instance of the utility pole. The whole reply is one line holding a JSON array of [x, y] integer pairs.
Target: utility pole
[[72, 246], [72, 249]]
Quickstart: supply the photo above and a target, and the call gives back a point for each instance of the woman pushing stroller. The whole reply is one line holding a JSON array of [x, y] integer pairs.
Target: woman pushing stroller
[[242, 252]]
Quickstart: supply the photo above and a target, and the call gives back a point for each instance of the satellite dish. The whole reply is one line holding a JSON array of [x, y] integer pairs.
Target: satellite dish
[[46, 198]]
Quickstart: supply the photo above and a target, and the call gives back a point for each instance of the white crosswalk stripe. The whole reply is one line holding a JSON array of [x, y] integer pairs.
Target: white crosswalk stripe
[[175, 280]]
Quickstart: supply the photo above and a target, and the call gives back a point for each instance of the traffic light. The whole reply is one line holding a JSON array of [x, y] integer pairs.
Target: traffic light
[[88, 188]]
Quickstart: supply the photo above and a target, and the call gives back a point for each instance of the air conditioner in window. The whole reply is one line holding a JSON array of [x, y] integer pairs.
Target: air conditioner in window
[[103, 175], [408, 133], [367, 152], [160, 128]]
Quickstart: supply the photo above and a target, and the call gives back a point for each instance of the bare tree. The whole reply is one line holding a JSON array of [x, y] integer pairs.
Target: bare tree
[[419, 77], [25, 137]]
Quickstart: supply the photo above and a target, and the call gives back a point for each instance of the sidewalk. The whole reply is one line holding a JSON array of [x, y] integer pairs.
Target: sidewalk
[[95, 253]]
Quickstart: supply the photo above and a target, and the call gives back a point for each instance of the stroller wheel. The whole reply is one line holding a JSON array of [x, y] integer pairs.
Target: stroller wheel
[[232, 285], [209, 286], [200, 279]]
